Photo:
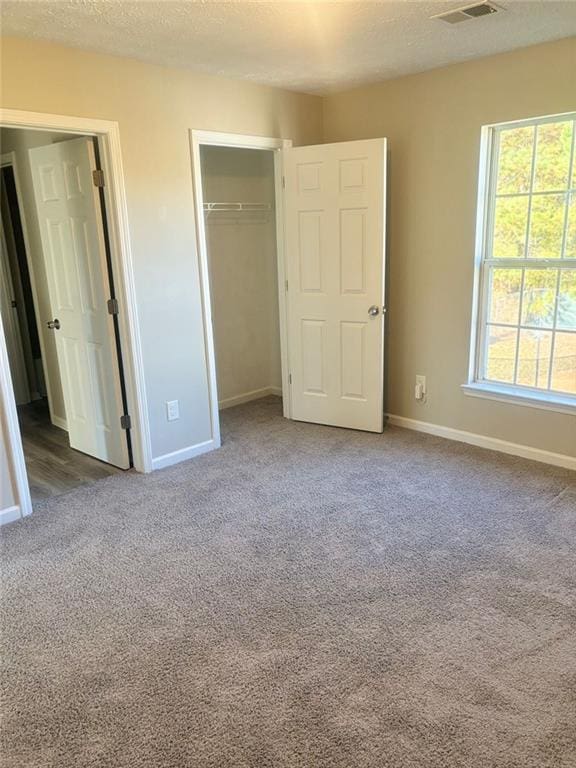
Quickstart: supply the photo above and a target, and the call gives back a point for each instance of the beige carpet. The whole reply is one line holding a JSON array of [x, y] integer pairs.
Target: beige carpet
[[305, 597]]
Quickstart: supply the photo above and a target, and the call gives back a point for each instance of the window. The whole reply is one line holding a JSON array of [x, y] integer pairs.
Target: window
[[526, 334]]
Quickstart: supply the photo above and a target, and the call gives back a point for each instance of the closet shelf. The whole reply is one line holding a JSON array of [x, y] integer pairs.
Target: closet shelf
[[237, 207]]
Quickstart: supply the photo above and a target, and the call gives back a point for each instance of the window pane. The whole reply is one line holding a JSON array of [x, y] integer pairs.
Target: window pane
[[564, 364], [539, 301], [567, 301], [553, 145], [510, 219], [547, 226], [529, 311], [505, 286], [570, 252], [534, 358], [501, 353], [515, 160]]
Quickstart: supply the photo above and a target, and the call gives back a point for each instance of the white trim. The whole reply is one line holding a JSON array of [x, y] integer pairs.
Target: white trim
[[9, 421], [238, 140], [480, 237], [531, 120], [247, 397], [218, 139], [108, 134], [482, 441], [175, 457], [123, 270], [10, 514], [483, 264], [282, 279], [202, 250], [533, 398]]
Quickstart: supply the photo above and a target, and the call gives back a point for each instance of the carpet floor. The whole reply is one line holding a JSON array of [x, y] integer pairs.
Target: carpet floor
[[306, 597]]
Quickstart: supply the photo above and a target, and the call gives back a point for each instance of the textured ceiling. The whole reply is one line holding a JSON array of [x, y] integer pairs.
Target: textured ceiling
[[315, 47]]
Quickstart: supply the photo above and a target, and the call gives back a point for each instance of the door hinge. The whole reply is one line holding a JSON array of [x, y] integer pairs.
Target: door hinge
[[125, 421], [290, 378], [98, 177], [286, 284], [283, 182], [112, 305]]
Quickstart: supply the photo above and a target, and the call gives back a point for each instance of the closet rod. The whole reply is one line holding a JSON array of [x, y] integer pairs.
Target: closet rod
[[255, 207]]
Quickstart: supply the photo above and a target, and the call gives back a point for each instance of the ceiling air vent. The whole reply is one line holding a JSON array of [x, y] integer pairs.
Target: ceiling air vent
[[467, 12]]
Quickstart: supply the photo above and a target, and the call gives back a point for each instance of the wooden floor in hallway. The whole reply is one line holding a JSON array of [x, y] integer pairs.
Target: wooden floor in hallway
[[53, 467]]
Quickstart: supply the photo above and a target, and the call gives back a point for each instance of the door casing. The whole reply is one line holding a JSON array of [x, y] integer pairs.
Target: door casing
[[108, 135]]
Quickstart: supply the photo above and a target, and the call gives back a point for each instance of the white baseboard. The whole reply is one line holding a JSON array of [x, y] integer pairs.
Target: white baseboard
[[246, 397], [482, 441], [10, 514], [168, 459]]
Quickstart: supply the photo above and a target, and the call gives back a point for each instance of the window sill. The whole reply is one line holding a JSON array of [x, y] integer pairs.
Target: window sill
[[519, 396]]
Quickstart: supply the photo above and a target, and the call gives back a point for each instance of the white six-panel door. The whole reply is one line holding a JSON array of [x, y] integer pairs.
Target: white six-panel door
[[335, 202], [71, 228]]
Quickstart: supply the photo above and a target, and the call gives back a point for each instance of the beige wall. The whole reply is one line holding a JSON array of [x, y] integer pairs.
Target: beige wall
[[243, 274], [433, 121], [155, 107], [19, 142]]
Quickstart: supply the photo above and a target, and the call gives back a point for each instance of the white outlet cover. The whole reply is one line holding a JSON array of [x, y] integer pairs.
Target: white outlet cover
[[172, 410]]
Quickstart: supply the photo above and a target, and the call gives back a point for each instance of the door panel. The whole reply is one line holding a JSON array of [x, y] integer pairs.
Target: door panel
[[335, 263], [311, 252], [352, 357], [353, 250], [70, 219], [313, 357]]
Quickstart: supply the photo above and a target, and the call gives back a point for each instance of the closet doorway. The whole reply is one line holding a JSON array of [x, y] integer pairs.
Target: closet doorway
[[328, 213], [236, 184]]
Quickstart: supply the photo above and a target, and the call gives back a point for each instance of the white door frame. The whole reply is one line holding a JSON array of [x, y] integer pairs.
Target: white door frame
[[108, 134], [9, 422], [199, 139]]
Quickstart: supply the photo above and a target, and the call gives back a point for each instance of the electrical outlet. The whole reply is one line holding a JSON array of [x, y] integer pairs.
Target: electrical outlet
[[420, 388], [172, 410]]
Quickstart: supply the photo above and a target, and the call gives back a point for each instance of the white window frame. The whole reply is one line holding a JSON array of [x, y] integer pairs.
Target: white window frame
[[476, 385]]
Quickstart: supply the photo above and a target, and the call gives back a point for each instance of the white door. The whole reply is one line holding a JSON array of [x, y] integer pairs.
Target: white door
[[71, 228], [11, 327], [335, 203]]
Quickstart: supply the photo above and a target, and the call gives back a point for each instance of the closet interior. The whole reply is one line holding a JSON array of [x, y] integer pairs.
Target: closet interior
[[239, 212]]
